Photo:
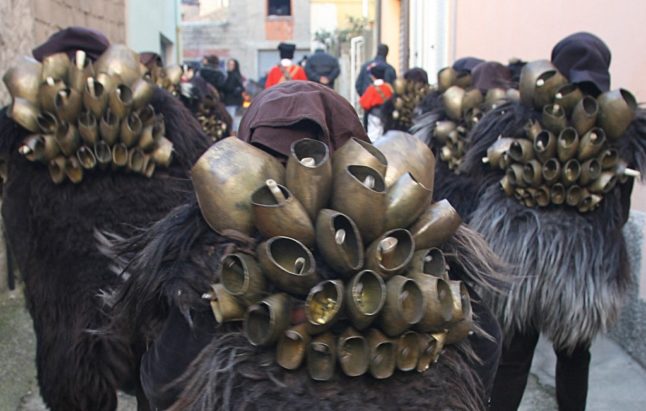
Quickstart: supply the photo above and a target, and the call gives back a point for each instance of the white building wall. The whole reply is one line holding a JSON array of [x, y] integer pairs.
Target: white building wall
[[151, 25]]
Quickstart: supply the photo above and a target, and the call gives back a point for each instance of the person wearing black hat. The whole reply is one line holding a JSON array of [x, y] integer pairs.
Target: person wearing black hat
[[364, 80], [57, 198], [562, 231], [286, 70], [375, 96]]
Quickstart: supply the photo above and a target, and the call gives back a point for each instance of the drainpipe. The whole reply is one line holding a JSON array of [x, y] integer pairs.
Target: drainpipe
[[404, 36], [378, 21]]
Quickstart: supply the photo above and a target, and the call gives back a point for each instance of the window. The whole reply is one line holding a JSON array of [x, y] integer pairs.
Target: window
[[279, 7]]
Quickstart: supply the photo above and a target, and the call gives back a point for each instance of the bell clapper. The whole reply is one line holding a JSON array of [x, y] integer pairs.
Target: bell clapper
[[369, 182], [80, 59], [207, 296], [387, 248], [629, 172], [339, 236], [50, 81], [540, 82], [308, 161], [275, 190], [319, 347], [292, 335], [299, 265], [485, 160], [90, 86], [558, 96]]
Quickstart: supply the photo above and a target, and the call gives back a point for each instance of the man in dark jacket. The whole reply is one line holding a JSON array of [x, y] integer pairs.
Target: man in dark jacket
[[210, 71], [364, 80], [322, 67]]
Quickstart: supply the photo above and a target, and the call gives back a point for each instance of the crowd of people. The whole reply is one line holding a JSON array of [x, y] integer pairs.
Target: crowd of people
[[485, 209]]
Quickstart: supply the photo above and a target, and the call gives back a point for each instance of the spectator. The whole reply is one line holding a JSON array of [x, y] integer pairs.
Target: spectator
[[378, 93], [322, 67], [363, 81], [233, 89], [210, 71], [286, 70]]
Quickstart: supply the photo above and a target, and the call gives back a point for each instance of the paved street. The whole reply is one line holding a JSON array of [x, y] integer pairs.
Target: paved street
[[616, 381]]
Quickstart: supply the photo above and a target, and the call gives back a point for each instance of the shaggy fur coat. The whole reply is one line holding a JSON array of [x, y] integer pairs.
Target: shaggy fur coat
[[174, 262], [571, 269], [51, 230]]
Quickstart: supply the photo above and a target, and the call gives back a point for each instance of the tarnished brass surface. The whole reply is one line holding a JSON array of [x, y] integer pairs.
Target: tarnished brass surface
[[446, 78], [616, 112], [591, 143], [73, 170], [515, 174], [438, 302], [68, 104], [584, 115], [323, 305], [546, 86], [452, 100], [554, 118], [95, 96], [48, 123], [119, 60], [56, 66], [109, 127], [497, 149], [47, 94], [289, 264], [365, 297], [590, 170], [68, 138], [292, 346], [542, 196], [494, 97], [463, 80], [24, 113], [353, 353], [567, 144], [557, 193], [86, 157], [241, 276], [461, 301], [80, 69], [120, 101], [406, 153], [606, 182], [163, 153], [430, 261], [224, 306], [382, 355], [506, 186], [276, 212], [472, 99], [120, 155], [551, 171], [131, 128], [142, 93], [404, 305], [360, 193], [567, 96], [544, 145], [150, 134], [136, 159], [573, 195], [321, 357], [339, 241], [571, 172], [532, 129], [391, 253], [529, 76], [429, 352], [358, 152], [459, 331], [608, 158], [442, 129], [405, 201], [521, 150], [267, 320], [56, 169], [103, 153], [38, 147], [408, 351], [309, 174], [436, 225], [224, 178], [23, 79]]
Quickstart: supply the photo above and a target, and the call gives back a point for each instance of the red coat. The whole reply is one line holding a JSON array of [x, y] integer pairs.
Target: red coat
[[375, 96], [278, 74]]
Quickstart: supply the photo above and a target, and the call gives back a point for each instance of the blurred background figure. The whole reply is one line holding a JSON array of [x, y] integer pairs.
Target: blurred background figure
[[376, 95], [322, 67], [286, 70], [364, 80], [210, 71], [233, 89]]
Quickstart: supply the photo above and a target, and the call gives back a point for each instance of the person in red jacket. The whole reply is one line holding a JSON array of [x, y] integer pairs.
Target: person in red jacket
[[373, 98], [286, 70]]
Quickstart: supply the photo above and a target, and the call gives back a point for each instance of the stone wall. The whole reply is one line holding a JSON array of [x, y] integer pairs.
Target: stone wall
[[630, 331], [27, 23]]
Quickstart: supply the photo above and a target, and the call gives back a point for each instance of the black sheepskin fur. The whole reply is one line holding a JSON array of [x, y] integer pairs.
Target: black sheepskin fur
[[51, 232], [571, 269], [174, 262]]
